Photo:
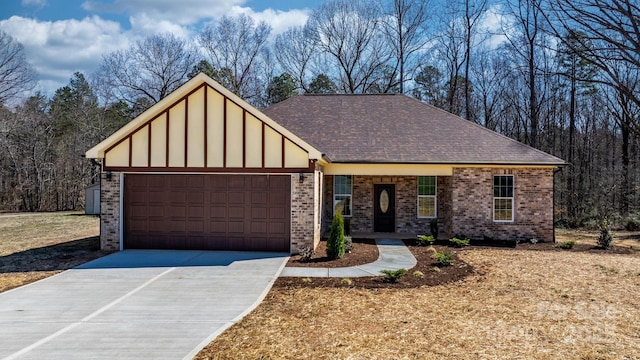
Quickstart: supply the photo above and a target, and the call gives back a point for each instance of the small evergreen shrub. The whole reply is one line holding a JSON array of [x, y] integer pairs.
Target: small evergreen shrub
[[306, 280], [424, 240], [348, 244], [392, 276], [443, 258], [566, 244], [459, 241], [335, 243], [306, 253], [433, 225], [605, 240], [418, 274], [632, 222]]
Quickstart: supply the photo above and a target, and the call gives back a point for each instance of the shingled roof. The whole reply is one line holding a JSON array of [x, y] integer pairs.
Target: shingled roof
[[397, 129]]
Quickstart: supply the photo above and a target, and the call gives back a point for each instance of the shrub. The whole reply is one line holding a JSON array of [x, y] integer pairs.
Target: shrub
[[392, 276], [459, 241], [433, 225], [632, 222], [605, 240], [566, 244], [306, 252], [443, 258], [533, 240], [335, 243], [424, 240], [306, 280], [348, 244], [418, 274], [346, 281]]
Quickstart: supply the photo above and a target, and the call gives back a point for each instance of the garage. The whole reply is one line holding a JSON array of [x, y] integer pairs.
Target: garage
[[207, 212]]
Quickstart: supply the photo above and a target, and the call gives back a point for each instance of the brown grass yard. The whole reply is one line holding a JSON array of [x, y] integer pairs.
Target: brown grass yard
[[35, 246], [518, 304]]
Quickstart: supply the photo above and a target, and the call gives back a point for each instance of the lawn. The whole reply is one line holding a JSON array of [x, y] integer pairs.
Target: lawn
[[518, 304], [35, 246]]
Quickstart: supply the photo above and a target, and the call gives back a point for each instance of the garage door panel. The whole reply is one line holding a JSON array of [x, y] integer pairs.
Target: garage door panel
[[218, 212]]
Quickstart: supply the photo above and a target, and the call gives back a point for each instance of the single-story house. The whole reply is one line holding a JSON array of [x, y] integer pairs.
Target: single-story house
[[203, 169]]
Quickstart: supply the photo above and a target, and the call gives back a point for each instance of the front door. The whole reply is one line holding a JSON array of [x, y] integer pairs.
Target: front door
[[384, 218]]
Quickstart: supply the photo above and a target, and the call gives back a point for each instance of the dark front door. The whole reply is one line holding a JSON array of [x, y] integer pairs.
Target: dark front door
[[384, 218]]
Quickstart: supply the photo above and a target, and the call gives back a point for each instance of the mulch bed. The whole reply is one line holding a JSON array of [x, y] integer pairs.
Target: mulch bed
[[425, 273]]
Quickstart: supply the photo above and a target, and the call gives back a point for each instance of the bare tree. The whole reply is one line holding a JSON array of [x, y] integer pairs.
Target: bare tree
[[16, 74], [236, 44], [150, 69], [351, 33], [295, 51], [611, 31], [473, 10], [406, 28]]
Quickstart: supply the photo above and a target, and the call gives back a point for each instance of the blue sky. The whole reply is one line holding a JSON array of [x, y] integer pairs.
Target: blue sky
[[61, 37]]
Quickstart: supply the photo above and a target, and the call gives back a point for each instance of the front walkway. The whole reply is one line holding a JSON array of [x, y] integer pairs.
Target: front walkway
[[394, 255]]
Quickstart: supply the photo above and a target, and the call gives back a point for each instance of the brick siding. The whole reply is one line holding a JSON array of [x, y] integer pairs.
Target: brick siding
[[305, 205], [472, 200], [110, 212]]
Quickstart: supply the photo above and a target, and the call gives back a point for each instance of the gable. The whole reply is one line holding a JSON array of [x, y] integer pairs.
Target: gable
[[203, 127]]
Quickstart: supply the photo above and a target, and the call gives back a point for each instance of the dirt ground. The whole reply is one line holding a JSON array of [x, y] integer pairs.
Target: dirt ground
[[36, 246], [528, 302]]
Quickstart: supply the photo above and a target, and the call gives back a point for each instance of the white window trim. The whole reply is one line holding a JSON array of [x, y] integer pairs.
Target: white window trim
[[435, 200], [513, 210], [335, 202]]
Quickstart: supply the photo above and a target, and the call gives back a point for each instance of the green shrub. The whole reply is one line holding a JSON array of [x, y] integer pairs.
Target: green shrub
[[424, 240], [418, 274], [306, 280], [346, 281], [443, 259], [433, 225], [348, 244], [459, 241], [566, 244], [605, 240], [335, 243], [392, 276], [632, 222]]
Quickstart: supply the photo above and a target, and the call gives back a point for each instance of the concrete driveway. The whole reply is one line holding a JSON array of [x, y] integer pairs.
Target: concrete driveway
[[135, 304]]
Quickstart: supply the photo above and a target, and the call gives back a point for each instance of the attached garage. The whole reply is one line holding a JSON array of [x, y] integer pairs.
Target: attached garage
[[202, 169], [207, 212]]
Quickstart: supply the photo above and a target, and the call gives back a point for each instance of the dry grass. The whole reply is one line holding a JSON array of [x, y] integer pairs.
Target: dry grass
[[519, 305], [630, 239], [35, 246]]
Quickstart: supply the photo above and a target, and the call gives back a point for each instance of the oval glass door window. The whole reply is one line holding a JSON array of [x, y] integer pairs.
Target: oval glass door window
[[384, 201]]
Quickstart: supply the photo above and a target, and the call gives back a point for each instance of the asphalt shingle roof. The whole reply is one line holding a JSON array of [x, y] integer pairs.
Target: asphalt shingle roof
[[396, 129]]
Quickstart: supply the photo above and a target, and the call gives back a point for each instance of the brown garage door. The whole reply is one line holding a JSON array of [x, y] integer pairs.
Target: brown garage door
[[209, 212]]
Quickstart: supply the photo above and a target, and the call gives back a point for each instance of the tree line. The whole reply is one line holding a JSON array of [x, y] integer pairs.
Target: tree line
[[561, 76]]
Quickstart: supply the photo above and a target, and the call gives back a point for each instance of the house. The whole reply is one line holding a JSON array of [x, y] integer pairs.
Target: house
[[203, 169]]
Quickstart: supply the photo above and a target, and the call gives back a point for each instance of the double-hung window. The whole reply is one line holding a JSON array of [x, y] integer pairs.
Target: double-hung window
[[427, 196], [503, 198], [342, 190]]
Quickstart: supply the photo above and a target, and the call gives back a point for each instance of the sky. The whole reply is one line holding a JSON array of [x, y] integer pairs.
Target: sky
[[61, 37]]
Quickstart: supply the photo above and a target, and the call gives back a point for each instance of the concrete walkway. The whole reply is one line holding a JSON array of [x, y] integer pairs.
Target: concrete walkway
[[135, 304], [394, 255]]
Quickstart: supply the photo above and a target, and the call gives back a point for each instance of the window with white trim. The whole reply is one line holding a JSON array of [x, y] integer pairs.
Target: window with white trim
[[427, 198], [342, 190], [503, 198]]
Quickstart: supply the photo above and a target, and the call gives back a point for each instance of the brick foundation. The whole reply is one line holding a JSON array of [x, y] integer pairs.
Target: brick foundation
[[110, 212]]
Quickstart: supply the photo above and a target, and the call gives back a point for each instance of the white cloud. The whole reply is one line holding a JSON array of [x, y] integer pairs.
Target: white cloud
[[492, 23], [57, 49], [279, 20], [40, 3], [183, 12]]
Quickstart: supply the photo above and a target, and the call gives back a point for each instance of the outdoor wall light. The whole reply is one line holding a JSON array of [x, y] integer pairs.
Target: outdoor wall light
[[301, 178], [108, 175]]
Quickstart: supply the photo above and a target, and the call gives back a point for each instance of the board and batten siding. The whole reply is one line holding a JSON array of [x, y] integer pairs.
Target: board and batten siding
[[206, 131]]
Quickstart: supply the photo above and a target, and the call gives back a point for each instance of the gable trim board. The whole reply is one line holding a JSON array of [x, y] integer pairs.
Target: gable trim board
[[204, 134]]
